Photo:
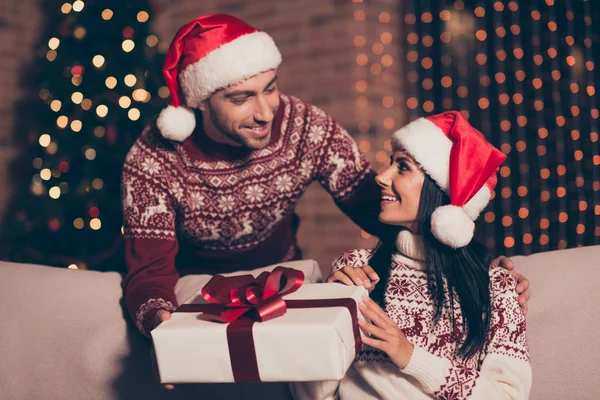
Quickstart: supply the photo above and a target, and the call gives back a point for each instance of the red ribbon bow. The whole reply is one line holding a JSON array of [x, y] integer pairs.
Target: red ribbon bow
[[258, 298]]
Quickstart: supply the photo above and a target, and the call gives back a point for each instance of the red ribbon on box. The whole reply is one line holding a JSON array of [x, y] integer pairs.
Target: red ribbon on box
[[243, 300]]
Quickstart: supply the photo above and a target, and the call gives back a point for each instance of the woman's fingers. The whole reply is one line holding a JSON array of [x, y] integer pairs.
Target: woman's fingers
[[350, 276], [375, 314], [339, 276], [373, 330], [375, 343], [358, 276], [370, 273]]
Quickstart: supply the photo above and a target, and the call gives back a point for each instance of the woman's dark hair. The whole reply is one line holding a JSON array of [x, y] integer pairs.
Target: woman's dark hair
[[465, 270]]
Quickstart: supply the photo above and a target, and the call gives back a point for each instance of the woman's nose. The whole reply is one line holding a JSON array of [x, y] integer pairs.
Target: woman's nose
[[383, 180]]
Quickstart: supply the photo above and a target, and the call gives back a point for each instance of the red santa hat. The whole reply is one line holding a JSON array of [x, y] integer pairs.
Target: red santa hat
[[462, 162], [211, 52]]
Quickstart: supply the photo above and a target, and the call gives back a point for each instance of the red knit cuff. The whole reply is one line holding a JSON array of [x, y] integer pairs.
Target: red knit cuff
[[145, 318]]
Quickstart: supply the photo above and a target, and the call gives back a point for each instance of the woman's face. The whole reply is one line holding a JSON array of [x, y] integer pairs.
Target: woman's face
[[401, 186]]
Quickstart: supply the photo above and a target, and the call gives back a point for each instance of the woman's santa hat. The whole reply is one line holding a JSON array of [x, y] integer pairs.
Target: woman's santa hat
[[462, 162], [211, 52]]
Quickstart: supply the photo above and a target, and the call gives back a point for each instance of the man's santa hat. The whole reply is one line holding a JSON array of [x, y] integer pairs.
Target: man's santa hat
[[211, 52], [462, 162]]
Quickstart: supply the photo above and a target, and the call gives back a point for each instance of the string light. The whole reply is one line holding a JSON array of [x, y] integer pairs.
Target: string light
[[54, 192], [86, 104], [524, 228], [593, 170], [130, 80], [62, 121], [98, 61], [78, 6], [76, 126], [134, 114], [77, 97], [163, 92], [99, 131], [111, 82], [44, 140], [102, 110], [79, 32], [128, 45], [52, 148], [56, 105], [124, 102], [53, 43], [143, 16], [46, 174], [107, 14], [95, 224], [51, 55], [151, 41], [97, 184], [90, 154]]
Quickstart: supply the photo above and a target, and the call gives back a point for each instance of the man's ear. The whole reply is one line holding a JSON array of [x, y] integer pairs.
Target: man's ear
[[203, 106]]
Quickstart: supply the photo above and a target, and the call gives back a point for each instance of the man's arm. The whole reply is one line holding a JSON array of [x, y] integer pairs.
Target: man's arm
[[348, 177], [150, 243]]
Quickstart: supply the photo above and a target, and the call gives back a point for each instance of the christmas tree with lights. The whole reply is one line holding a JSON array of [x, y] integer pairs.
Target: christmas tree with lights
[[97, 83]]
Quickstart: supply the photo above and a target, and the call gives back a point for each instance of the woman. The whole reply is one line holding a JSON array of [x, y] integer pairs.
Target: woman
[[445, 324]]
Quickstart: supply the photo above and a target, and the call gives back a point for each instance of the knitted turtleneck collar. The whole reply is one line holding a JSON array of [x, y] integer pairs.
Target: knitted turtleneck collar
[[410, 246]]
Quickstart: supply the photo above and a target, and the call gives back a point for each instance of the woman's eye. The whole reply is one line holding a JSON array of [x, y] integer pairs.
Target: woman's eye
[[402, 167], [239, 102], [271, 89]]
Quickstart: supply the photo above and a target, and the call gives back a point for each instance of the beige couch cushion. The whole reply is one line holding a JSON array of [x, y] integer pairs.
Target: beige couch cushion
[[63, 335], [563, 322]]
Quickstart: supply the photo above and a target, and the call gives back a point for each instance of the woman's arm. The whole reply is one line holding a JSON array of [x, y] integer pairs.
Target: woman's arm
[[505, 372]]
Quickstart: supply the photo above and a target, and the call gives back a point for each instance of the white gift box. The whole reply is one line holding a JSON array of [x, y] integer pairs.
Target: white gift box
[[305, 344]]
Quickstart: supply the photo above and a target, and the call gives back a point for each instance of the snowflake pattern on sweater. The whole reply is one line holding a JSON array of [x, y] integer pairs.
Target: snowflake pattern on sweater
[[225, 213], [409, 304]]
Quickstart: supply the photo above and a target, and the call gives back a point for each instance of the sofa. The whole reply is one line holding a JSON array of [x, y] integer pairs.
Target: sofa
[[64, 333]]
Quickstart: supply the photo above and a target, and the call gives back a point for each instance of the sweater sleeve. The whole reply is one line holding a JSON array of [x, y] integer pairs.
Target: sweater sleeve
[[150, 242], [352, 258], [346, 174], [505, 372]]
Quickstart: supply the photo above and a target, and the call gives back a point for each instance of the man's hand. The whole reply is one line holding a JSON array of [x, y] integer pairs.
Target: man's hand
[[355, 276], [522, 282], [161, 316]]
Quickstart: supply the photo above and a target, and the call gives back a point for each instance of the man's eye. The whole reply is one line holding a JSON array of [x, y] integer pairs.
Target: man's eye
[[239, 101]]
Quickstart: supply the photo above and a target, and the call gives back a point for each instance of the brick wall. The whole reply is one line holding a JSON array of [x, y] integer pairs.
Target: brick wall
[[20, 22], [332, 53]]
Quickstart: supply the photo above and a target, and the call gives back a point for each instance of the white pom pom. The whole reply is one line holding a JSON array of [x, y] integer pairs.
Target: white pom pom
[[452, 226], [176, 123]]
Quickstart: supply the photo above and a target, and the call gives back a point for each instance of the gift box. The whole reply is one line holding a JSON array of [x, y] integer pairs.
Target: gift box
[[256, 331]]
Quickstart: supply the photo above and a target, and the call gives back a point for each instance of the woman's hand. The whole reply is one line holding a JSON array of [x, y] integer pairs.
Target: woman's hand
[[355, 276], [385, 335]]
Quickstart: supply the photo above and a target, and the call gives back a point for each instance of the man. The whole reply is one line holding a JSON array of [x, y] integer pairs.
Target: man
[[211, 187]]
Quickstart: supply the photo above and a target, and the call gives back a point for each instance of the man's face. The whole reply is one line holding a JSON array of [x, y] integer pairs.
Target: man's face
[[243, 113]]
